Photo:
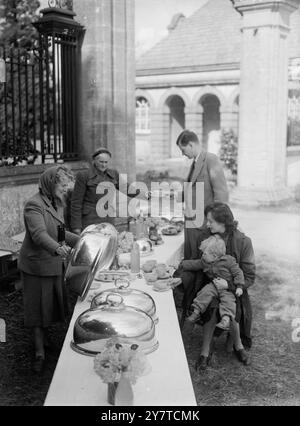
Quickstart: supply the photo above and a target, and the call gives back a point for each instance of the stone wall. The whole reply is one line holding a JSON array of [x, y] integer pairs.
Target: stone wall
[[17, 185], [107, 106], [12, 200]]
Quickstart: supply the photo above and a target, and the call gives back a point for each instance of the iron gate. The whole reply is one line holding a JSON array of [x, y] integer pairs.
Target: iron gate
[[39, 100]]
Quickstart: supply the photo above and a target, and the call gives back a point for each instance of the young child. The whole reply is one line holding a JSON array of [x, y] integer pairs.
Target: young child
[[216, 264]]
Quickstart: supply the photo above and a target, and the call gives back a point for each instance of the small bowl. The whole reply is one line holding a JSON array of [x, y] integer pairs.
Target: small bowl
[[145, 245]]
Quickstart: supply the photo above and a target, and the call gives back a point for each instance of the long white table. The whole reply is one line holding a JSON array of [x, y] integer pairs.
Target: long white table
[[169, 383]]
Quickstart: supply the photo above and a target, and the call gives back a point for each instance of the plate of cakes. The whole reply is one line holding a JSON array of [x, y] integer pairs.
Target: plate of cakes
[[159, 275]]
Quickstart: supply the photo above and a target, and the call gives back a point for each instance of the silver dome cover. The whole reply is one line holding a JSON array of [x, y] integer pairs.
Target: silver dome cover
[[95, 251], [131, 297], [95, 326]]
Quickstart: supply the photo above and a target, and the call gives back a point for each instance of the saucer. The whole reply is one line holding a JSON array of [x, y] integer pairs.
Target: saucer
[[161, 289]]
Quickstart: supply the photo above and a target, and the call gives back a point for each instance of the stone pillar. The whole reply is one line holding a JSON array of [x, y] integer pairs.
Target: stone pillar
[[157, 135], [194, 120], [263, 101], [166, 133], [226, 118], [235, 119], [108, 80]]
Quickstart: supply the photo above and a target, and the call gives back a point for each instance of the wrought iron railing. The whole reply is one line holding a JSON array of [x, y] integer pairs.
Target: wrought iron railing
[[19, 105], [38, 115], [39, 99]]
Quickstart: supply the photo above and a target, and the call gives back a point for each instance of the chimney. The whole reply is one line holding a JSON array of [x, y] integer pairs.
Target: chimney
[[177, 18]]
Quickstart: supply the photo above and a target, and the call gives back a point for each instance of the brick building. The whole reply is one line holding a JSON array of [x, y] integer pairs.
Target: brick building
[[191, 79]]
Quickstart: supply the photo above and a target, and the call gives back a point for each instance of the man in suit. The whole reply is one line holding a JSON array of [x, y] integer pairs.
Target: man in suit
[[206, 168]]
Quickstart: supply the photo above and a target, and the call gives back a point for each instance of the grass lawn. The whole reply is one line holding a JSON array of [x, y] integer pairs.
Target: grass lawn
[[274, 375], [272, 379]]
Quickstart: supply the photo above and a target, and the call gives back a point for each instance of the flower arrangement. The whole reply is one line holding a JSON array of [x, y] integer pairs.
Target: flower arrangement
[[125, 242], [118, 358]]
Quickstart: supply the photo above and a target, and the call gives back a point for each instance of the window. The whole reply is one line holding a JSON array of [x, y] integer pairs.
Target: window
[[142, 116], [293, 135]]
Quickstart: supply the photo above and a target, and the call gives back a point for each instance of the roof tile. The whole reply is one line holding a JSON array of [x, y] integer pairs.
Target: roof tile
[[211, 36]]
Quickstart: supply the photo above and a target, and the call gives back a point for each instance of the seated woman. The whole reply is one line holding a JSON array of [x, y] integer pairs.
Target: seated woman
[[220, 221]]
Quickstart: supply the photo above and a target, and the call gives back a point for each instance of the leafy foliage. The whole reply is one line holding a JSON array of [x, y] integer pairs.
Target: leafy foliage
[[15, 26], [229, 150], [293, 132], [18, 37]]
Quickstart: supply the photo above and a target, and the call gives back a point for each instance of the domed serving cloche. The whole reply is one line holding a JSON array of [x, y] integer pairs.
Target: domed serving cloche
[[95, 251], [131, 297], [95, 326]]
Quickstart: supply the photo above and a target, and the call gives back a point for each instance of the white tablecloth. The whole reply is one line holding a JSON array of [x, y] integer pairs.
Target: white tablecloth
[[169, 382]]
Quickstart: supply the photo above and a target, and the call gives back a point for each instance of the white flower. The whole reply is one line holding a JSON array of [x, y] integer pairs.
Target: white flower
[[118, 357]]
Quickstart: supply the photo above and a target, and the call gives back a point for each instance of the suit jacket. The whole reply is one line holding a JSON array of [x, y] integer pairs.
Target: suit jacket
[[208, 169], [37, 254]]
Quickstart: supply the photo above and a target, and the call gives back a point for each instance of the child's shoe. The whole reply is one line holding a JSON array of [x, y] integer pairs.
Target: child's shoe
[[224, 324]]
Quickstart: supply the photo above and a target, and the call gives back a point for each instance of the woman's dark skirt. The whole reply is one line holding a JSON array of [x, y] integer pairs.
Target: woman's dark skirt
[[45, 300]]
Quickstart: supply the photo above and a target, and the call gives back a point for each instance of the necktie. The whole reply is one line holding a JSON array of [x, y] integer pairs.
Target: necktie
[[191, 171]]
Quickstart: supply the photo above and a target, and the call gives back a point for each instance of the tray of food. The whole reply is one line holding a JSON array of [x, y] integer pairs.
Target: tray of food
[[112, 275], [170, 230], [159, 275]]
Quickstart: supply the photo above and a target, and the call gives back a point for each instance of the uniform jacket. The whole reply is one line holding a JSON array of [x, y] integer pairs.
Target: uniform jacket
[[84, 198], [225, 267], [37, 254]]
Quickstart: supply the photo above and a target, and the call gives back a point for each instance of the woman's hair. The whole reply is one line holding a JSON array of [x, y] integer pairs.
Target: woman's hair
[[50, 178], [221, 213]]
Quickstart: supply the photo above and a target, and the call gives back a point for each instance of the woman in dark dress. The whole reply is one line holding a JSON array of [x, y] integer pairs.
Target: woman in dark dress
[[42, 256]]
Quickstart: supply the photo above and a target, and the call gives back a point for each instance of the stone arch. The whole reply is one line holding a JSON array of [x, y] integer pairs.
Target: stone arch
[[232, 100], [173, 91], [143, 125], [174, 112], [145, 94], [206, 91], [172, 106], [212, 102]]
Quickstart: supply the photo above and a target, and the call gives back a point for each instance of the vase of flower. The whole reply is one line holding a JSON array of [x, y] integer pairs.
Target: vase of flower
[[124, 392], [119, 365], [111, 392]]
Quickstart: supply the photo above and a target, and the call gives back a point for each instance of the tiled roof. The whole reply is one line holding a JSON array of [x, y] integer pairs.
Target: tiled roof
[[211, 36]]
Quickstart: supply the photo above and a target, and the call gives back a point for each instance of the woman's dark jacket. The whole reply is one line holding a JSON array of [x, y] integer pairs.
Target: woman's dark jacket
[[240, 247], [38, 252]]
